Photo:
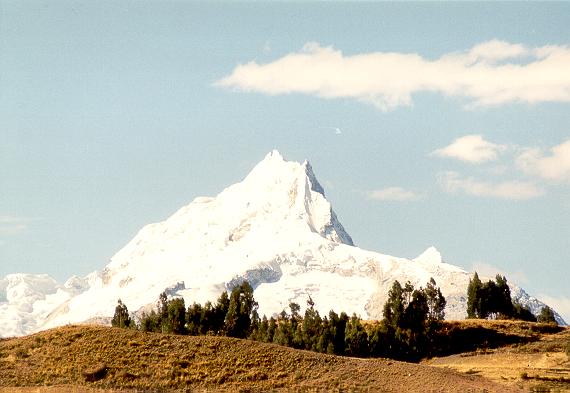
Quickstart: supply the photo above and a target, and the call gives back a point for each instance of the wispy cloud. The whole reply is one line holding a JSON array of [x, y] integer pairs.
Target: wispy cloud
[[471, 148], [561, 304], [553, 167], [487, 270], [491, 73], [393, 194], [11, 225], [453, 182]]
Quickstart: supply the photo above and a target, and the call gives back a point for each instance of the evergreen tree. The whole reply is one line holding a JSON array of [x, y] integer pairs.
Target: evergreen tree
[[523, 313], [546, 315], [337, 328], [394, 306], [325, 339], [207, 317], [121, 318], [416, 312], [220, 311], [436, 303], [176, 317], [238, 317], [150, 322], [356, 338], [296, 328], [312, 326], [162, 307], [255, 324], [380, 341], [263, 330], [193, 319], [284, 330], [504, 306], [473, 297], [271, 328]]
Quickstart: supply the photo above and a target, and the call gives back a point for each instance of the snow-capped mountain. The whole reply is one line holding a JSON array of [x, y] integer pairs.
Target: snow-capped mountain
[[275, 229]]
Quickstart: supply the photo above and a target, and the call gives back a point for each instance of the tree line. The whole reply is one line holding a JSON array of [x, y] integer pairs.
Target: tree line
[[410, 330], [492, 299], [411, 318]]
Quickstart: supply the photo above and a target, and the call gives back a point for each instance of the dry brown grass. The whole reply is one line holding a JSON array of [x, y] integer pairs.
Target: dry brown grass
[[539, 364], [58, 359]]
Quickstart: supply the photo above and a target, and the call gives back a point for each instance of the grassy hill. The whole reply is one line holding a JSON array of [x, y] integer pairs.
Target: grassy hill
[[538, 361], [81, 358]]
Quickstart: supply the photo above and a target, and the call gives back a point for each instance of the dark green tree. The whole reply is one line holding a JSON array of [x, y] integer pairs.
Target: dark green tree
[[176, 317], [436, 303], [121, 318], [474, 297], [284, 330], [261, 333], [356, 338], [255, 324], [394, 306], [546, 315], [380, 341], [325, 339], [150, 322], [337, 327], [194, 319], [162, 307], [523, 313], [242, 304], [207, 317], [296, 327], [271, 329], [312, 326], [220, 311], [504, 304]]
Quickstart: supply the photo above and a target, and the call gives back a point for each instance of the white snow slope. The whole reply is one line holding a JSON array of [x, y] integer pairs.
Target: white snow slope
[[275, 229]]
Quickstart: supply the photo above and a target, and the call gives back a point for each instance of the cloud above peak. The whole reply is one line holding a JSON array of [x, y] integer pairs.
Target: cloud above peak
[[471, 148], [554, 167], [490, 73], [452, 182], [394, 194]]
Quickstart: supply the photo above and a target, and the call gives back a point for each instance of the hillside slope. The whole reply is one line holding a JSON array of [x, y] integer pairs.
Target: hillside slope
[[541, 364], [139, 360]]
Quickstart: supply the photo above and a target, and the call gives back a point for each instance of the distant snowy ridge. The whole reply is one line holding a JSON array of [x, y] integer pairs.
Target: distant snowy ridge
[[275, 229]]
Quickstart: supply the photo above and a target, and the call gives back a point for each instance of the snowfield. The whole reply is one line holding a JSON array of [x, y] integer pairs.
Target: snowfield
[[275, 229]]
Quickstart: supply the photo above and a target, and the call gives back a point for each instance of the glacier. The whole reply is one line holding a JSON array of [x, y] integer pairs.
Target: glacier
[[275, 229]]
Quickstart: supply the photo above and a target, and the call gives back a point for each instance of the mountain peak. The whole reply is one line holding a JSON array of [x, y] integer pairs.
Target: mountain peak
[[274, 229], [274, 155], [430, 255], [289, 191]]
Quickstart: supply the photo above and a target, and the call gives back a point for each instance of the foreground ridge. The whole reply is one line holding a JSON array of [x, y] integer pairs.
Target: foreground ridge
[[131, 359]]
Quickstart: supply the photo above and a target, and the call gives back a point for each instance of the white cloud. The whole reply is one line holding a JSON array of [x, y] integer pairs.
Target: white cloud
[[10, 225], [452, 182], [471, 148], [393, 194], [484, 269], [495, 50], [490, 73], [560, 304], [554, 167]]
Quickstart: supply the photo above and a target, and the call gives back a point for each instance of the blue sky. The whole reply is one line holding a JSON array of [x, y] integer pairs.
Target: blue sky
[[453, 117]]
